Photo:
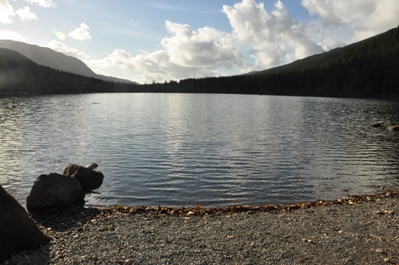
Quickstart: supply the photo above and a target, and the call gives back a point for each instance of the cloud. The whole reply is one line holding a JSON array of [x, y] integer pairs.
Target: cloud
[[166, 7], [11, 35], [275, 37], [25, 14], [186, 53], [268, 38], [364, 18], [6, 12], [81, 33], [204, 48], [61, 47], [42, 3]]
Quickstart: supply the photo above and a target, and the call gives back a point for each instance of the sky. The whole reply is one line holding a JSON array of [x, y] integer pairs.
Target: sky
[[158, 40]]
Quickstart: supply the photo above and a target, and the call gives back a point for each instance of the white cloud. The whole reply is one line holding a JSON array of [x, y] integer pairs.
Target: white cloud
[[25, 14], [61, 47], [6, 12], [42, 3], [274, 37], [271, 38], [11, 35], [205, 48], [186, 53], [364, 18], [81, 33]]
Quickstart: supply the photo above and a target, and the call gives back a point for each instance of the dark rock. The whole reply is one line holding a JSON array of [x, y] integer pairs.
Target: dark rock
[[89, 179], [18, 232], [55, 191]]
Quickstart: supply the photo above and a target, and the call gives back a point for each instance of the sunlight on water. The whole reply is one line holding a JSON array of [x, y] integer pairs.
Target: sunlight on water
[[182, 149]]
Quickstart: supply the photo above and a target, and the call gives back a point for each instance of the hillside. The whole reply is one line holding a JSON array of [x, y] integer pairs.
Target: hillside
[[20, 75], [56, 60], [367, 69]]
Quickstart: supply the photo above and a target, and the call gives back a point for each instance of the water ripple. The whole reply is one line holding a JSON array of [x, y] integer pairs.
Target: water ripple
[[182, 149]]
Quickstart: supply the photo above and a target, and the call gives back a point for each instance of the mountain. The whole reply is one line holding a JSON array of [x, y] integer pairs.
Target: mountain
[[366, 69], [20, 75], [56, 60]]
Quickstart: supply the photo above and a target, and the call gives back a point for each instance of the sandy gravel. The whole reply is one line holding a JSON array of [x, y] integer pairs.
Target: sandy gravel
[[365, 232]]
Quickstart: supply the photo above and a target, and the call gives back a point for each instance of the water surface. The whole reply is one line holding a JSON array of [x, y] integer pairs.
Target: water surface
[[209, 149]]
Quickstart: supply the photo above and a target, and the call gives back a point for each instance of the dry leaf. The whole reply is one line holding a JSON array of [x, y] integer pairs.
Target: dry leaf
[[231, 237]]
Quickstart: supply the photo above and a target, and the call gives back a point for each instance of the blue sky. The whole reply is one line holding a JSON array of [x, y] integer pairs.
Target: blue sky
[[158, 40]]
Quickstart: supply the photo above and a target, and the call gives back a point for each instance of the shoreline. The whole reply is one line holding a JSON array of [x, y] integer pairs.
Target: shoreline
[[277, 208], [360, 229]]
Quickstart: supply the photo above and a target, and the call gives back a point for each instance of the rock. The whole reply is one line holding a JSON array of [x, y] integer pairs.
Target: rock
[[393, 128], [89, 179], [375, 124], [92, 166], [55, 191], [18, 232]]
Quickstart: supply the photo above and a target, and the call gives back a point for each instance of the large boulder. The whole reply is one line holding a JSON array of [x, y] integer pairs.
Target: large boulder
[[89, 179], [55, 191], [18, 232]]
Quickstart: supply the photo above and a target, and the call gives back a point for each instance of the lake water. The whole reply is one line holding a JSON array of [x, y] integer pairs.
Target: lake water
[[209, 149]]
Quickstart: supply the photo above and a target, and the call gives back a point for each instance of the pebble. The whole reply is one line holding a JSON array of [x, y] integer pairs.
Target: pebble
[[330, 234]]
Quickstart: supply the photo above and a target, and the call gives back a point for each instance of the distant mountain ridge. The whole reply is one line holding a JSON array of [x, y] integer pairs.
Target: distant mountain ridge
[[366, 69], [56, 60], [20, 75]]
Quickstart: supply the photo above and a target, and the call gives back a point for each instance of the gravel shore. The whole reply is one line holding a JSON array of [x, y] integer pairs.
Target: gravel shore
[[348, 231]]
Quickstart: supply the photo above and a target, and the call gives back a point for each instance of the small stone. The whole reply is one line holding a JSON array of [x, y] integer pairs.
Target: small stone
[[379, 250]]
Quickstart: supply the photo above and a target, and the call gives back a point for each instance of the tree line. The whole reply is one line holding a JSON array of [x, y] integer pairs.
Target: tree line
[[367, 69]]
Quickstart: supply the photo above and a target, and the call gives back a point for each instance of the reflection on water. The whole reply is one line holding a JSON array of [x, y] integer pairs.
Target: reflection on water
[[182, 149]]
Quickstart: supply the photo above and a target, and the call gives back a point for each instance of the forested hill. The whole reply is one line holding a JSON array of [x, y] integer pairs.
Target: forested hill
[[19, 75], [367, 69]]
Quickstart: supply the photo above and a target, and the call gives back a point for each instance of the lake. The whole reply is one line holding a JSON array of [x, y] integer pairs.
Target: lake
[[208, 149]]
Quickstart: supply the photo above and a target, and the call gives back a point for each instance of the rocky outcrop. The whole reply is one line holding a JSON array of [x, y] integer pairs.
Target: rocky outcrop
[[55, 191], [88, 178], [18, 232]]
